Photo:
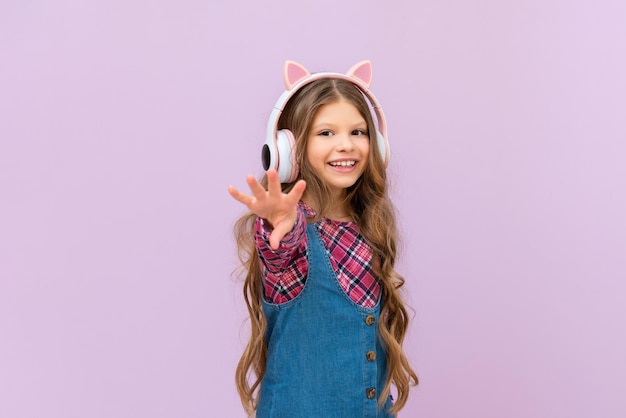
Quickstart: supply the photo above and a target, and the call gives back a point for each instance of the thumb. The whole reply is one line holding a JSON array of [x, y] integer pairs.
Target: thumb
[[275, 237], [278, 234]]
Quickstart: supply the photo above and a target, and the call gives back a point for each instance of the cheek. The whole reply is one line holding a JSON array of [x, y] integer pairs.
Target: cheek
[[315, 152], [365, 148], [312, 155]]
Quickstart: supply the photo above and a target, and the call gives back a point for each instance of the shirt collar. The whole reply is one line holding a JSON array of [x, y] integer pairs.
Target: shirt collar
[[309, 212]]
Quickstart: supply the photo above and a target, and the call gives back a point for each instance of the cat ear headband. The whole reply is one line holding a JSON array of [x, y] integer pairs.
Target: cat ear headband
[[279, 149]]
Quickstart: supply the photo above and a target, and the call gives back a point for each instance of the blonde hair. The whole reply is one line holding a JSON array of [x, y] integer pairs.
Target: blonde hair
[[373, 212]]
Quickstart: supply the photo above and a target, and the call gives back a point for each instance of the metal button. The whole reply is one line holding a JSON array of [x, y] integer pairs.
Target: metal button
[[370, 393], [370, 356], [370, 320]]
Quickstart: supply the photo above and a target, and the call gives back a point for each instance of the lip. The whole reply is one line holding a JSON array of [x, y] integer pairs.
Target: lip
[[343, 168], [339, 160]]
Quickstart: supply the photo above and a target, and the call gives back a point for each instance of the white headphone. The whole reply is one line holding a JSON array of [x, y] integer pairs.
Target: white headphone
[[278, 150]]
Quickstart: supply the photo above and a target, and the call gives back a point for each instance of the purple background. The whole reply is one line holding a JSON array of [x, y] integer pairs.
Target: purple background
[[123, 122]]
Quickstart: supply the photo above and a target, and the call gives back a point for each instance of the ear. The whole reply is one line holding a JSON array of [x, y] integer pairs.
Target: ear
[[293, 72], [362, 71]]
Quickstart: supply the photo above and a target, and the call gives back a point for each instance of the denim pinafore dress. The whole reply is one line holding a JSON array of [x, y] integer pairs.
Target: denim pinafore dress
[[324, 358]]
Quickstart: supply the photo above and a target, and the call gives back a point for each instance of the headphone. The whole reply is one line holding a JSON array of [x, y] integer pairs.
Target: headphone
[[278, 150]]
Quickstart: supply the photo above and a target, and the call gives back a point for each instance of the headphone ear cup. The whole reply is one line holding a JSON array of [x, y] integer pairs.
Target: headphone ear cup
[[287, 165], [383, 147]]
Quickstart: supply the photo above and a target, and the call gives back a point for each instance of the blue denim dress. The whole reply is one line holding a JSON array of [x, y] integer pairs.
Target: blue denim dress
[[324, 358]]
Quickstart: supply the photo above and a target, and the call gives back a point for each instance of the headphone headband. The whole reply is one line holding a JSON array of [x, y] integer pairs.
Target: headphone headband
[[295, 76]]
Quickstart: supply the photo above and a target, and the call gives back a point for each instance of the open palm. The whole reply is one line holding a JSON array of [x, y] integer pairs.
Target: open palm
[[278, 208]]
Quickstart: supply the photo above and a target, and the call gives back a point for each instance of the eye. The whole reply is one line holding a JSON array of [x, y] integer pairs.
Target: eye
[[325, 133], [359, 132]]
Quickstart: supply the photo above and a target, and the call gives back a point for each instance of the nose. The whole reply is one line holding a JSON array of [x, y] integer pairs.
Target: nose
[[344, 142]]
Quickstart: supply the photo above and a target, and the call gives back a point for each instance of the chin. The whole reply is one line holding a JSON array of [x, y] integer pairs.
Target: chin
[[344, 185]]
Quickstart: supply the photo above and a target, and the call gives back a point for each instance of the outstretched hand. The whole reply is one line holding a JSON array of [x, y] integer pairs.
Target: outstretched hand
[[278, 208]]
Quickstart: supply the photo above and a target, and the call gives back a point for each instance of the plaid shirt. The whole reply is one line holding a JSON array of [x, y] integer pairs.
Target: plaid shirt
[[285, 269]]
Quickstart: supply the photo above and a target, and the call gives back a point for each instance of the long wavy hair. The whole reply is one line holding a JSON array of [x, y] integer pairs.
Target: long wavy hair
[[370, 207]]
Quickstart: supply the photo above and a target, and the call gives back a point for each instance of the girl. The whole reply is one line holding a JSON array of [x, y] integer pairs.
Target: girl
[[319, 247]]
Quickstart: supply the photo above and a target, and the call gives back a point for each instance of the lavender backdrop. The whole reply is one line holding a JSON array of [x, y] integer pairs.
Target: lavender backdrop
[[122, 123]]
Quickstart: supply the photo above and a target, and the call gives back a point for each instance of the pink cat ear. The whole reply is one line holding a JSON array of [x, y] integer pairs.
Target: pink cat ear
[[362, 71], [293, 72]]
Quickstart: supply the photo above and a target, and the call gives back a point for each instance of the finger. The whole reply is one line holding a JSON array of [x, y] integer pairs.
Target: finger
[[273, 184], [276, 236], [255, 187], [274, 241], [296, 192], [281, 229], [241, 197]]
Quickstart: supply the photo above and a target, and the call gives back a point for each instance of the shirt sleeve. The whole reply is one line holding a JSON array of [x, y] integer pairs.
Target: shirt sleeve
[[276, 261]]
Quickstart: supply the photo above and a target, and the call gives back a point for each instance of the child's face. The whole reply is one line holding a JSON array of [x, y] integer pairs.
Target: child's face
[[338, 145]]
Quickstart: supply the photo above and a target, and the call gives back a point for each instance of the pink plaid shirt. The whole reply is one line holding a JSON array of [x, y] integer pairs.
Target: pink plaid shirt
[[285, 269]]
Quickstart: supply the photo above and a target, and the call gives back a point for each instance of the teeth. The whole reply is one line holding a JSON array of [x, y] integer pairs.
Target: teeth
[[342, 163]]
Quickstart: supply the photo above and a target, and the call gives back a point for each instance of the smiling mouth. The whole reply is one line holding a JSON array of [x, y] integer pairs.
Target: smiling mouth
[[349, 163]]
